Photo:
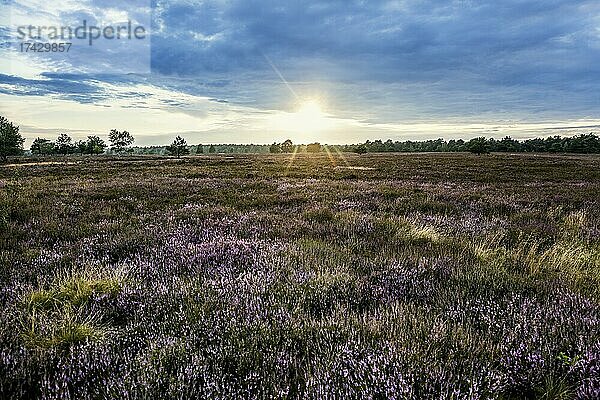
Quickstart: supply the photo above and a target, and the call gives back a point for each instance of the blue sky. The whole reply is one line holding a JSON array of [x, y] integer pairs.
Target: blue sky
[[356, 70]]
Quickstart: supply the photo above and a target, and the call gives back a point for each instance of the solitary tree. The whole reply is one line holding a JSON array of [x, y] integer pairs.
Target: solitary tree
[[42, 147], [11, 141], [287, 146], [64, 145], [95, 145], [179, 147], [120, 140]]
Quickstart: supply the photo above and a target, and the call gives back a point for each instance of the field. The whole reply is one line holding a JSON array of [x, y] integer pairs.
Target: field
[[398, 276]]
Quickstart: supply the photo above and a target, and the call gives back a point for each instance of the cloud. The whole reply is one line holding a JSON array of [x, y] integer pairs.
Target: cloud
[[517, 51], [414, 38], [377, 63]]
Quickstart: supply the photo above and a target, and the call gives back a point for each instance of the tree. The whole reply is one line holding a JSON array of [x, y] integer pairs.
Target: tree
[[582, 144], [64, 145], [80, 147], [287, 146], [275, 148], [11, 141], [508, 144], [313, 148], [212, 149], [478, 146], [360, 149], [42, 147], [199, 149], [95, 145], [179, 147], [120, 140]]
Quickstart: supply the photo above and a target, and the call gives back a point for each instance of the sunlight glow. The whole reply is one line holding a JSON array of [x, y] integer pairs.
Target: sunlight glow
[[311, 109], [309, 119]]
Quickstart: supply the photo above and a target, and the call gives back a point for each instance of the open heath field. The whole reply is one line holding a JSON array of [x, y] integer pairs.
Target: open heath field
[[397, 276]]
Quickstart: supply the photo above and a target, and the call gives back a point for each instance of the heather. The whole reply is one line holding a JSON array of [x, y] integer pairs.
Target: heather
[[401, 276]]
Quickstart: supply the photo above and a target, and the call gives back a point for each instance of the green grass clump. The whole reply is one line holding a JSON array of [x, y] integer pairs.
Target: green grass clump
[[55, 317], [319, 215], [61, 329], [76, 290]]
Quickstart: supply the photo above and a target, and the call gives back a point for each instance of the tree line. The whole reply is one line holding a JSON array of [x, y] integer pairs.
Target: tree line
[[289, 147], [582, 144], [11, 144], [120, 142]]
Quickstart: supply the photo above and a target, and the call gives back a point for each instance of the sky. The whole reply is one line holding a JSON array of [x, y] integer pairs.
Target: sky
[[338, 71]]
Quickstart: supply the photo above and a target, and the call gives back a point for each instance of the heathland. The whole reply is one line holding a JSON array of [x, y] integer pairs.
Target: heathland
[[311, 276]]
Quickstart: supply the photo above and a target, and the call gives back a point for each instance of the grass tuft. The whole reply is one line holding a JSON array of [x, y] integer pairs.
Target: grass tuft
[[77, 288], [57, 317], [62, 329]]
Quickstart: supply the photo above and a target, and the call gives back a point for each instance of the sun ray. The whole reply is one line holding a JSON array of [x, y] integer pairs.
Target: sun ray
[[291, 161], [276, 70], [330, 156], [341, 155]]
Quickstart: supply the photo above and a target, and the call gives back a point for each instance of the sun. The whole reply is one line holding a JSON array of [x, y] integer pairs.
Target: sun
[[311, 109], [310, 117], [306, 122]]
